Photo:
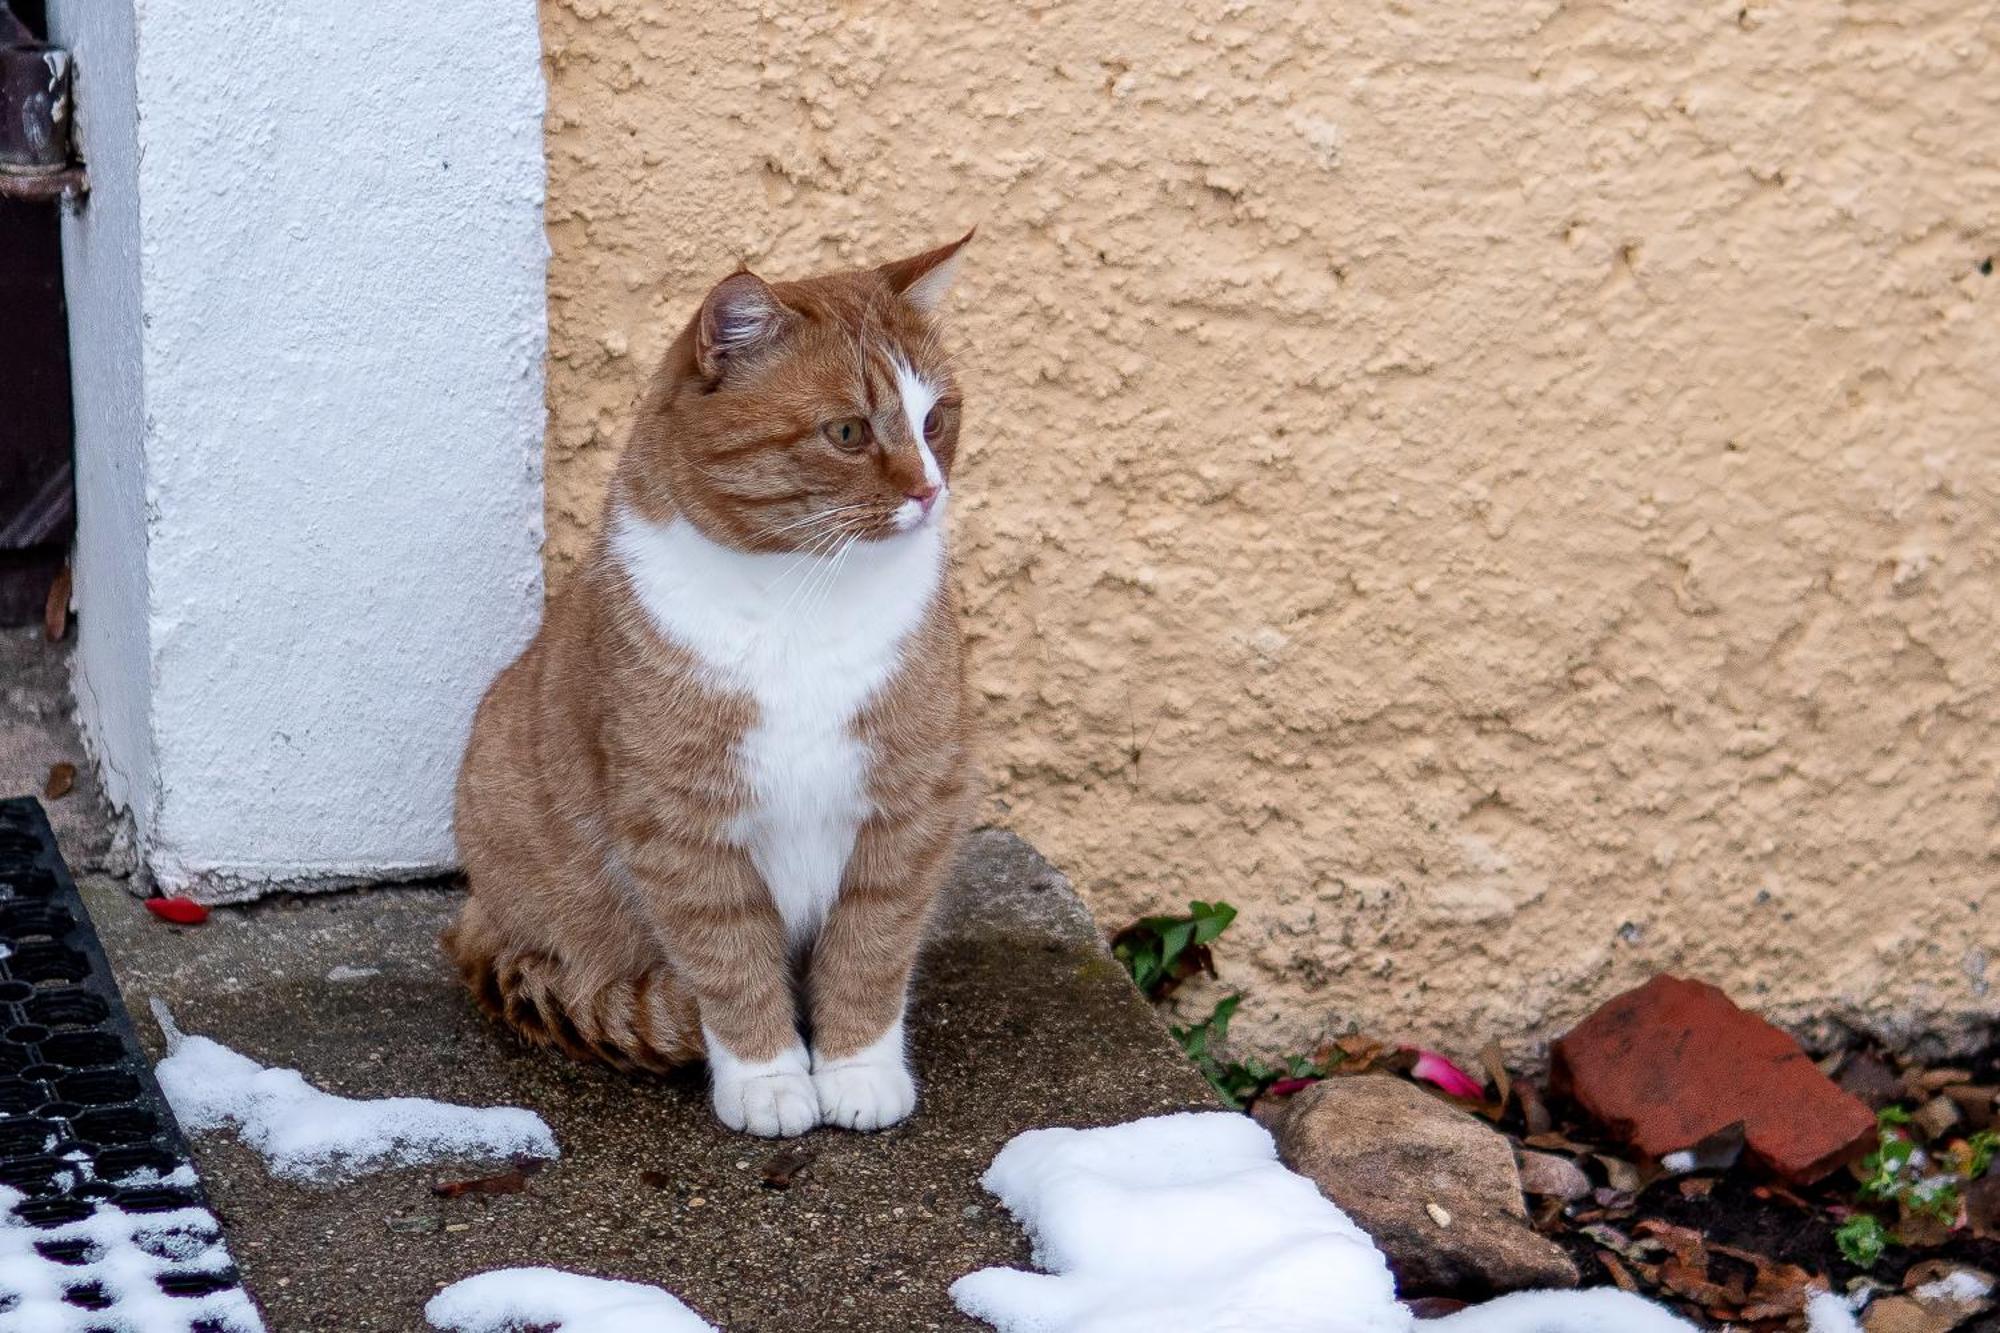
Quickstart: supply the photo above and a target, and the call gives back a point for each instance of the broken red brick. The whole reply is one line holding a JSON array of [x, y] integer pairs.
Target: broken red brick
[[1673, 1062]]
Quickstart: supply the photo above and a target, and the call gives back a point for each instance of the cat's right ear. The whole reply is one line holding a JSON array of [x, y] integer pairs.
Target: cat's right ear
[[741, 315]]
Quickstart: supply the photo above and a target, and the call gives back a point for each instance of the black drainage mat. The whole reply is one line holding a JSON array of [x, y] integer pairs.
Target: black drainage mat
[[103, 1224]]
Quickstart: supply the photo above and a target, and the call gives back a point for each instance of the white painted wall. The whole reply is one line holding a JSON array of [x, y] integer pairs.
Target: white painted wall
[[307, 317]]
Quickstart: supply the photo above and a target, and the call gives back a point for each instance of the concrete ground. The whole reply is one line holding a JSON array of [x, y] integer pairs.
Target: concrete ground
[[1020, 1019]]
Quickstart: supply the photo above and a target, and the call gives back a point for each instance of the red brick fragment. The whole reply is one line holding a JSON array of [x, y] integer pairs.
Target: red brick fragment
[[1675, 1061]]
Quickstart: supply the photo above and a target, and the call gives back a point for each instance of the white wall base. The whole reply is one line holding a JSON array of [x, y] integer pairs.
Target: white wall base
[[307, 314]]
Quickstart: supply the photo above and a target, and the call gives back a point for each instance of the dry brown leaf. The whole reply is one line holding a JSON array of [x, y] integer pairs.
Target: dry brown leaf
[[1621, 1276], [55, 611], [1924, 1082], [62, 778], [1496, 1072], [507, 1182], [1534, 1111], [787, 1165], [1778, 1290], [1557, 1143]]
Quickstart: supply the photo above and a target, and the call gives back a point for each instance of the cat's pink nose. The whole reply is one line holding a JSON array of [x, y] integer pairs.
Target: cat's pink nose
[[926, 495]]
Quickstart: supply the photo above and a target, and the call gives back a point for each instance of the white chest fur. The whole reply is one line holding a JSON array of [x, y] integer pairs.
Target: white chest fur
[[810, 639]]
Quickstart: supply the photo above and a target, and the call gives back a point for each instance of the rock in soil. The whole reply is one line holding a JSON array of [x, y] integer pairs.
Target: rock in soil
[[1436, 1188], [1547, 1176], [1672, 1063]]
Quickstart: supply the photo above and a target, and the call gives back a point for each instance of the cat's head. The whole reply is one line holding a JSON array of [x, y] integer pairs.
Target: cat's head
[[792, 416]]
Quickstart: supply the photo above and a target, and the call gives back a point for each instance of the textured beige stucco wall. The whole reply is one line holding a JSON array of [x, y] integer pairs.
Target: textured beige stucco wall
[[1507, 493]]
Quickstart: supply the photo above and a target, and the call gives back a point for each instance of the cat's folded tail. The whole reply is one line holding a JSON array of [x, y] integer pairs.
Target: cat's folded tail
[[644, 1022]]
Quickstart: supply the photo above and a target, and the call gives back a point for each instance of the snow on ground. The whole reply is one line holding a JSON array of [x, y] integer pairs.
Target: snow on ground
[[306, 1134], [523, 1298], [1190, 1221], [123, 1256]]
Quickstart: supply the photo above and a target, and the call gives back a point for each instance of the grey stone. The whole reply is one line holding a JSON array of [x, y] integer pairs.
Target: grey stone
[[1549, 1176], [1435, 1187]]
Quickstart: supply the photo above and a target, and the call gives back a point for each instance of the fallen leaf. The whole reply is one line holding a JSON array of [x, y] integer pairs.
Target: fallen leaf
[[1534, 1112], [1921, 1083], [1611, 1238], [1772, 1190], [180, 911], [787, 1165], [1685, 1270], [1559, 1143], [62, 778], [1779, 1289], [55, 611], [1621, 1276], [1496, 1072], [1697, 1187], [507, 1182], [1360, 1049]]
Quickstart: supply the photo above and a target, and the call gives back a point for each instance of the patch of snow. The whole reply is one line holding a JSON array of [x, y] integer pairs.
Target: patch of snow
[[1604, 1310], [345, 972], [182, 1175], [1960, 1286], [126, 1254], [523, 1298], [1828, 1313], [306, 1134], [1190, 1221]]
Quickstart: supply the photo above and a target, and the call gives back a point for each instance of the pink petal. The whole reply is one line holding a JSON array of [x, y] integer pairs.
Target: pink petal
[[1285, 1087], [1436, 1069]]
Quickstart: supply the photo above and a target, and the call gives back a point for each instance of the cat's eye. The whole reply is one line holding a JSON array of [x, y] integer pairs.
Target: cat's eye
[[849, 433], [933, 423]]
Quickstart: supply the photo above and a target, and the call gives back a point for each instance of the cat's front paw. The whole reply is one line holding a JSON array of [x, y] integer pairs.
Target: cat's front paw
[[864, 1092], [773, 1099]]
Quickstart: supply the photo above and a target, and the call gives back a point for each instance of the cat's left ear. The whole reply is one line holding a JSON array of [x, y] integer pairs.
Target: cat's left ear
[[923, 279]]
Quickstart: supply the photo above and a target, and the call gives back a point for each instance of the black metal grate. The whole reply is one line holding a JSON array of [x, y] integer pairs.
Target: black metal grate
[[90, 1156]]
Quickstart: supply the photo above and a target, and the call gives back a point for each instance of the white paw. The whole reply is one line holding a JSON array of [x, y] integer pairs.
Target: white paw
[[773, 1099], [771, 1106], [865, 1093]]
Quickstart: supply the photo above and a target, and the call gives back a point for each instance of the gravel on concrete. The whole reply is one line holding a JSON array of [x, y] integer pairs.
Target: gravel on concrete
[[1021, 1019]]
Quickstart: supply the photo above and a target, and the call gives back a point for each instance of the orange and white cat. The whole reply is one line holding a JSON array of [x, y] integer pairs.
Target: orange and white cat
[[706, 813]]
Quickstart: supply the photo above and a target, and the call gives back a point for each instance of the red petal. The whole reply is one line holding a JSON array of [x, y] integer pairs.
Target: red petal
[[1436, 1069], [180, 911]]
